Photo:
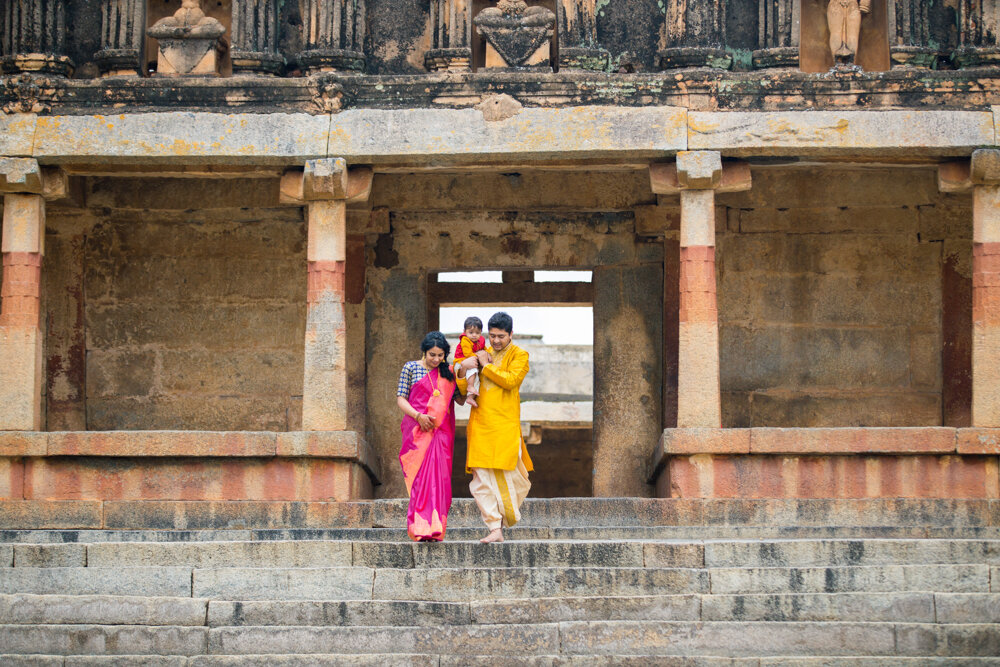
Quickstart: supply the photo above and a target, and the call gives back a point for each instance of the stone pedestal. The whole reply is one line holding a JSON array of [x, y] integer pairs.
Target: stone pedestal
[[255, 38], [577, 28], [334, 35], [20, 335], [189, 42], [450, 32], [694, 34], [696, 176], [34, 37], [778, 24], [123, 37]]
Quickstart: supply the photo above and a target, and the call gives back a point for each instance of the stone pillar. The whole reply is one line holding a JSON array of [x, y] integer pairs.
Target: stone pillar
[[694, 35], [778, 22], [981, 177], [20, 335], [696, 176], [577, 29], [910, 34], [123, 37], [33, 37], [325, 187], [255, 37], [451, 29], [334, 35], [978, 33]]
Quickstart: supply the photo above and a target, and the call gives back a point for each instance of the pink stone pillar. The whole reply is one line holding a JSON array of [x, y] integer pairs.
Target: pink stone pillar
[[21, 376], [696, 177], [981, 177]]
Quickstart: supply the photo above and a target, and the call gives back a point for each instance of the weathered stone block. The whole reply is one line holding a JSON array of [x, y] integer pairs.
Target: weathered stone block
[[24, 609], [161, 443], [168, 581], [20, 175], [50, 555], [17, 133], [852, 440], [328, 583], [834, 220], [23, 223], [699, 170], [800, 188], [320, 553], [231, 515], [978, 441], [857, 407], [23, 443], [331, 444], [705, 441], [824, 132], [21, 378], [42, 514], [967, 607], [105, 640]]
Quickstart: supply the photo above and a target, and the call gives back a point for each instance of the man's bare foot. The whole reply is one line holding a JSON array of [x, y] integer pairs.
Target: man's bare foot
[[494, 536], [471, 400]]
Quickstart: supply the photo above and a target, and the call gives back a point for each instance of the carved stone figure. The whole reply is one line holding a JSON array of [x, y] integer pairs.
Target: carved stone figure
[[844, 20], [189, 41], [515, 30]]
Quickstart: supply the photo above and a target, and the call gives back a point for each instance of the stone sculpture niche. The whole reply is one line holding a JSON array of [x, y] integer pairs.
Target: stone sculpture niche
[[189, 42], [515, 32], [844, 35]]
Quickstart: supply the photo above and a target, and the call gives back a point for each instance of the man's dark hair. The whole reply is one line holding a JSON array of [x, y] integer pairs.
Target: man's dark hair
[[472, 322], [503, 321]]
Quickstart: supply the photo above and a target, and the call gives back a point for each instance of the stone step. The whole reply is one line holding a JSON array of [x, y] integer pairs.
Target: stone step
[[518, 533], [27, 609], [150, 581], [853, 579], [546, 512], [583, 638], [770, 553]]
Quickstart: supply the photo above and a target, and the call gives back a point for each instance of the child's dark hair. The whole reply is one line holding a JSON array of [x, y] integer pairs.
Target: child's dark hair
[[471, 322], [437, 339]]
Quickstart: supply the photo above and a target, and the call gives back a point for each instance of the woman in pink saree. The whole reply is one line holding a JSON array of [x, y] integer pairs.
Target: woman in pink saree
[[426, 394]]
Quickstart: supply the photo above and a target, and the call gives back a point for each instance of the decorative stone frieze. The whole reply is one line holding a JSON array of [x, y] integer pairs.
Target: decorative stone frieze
[[28, 93], [778, 22], [255, 37], [694, 35], [33, 37], [910, 34], [515, 30], [123, 37], [189, 42], [578, 47], [450, 34], [979, 39], [333, 33]]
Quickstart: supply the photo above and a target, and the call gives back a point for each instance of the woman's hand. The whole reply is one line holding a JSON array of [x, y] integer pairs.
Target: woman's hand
[[426, 422]]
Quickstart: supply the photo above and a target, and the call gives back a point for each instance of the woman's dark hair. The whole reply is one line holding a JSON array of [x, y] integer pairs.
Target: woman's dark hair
[[437, 339], [503, 321]]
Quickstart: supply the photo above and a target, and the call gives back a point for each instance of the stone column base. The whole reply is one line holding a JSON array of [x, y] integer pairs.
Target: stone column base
[[921, 57], [448, 60], [975, 57], [583, 58], [693, 56], [45, 63], [783, 56], [331, 60], [256, 62]]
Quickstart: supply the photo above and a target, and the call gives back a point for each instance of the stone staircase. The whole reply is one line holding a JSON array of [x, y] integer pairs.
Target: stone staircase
[[580, 582]]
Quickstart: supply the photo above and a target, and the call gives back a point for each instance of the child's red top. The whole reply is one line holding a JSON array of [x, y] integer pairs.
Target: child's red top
[[466, 348]]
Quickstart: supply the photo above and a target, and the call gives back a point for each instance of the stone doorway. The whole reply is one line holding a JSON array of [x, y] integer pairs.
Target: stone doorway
[[553, 321]]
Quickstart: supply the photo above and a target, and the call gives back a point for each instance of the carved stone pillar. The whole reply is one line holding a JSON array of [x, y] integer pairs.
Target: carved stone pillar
[[696, 176], [123, 37], [33, 36], [325, 187], [577, 28], [778, 22], [451, 26], [979, 33], [694, 35], [334, 35], [910, 34], [981, 177], [255, 37]]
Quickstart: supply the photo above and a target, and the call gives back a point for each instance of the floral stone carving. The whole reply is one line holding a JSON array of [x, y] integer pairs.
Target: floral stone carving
[[515, 30]]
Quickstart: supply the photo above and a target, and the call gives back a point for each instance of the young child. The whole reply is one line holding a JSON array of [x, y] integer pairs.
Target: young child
[[471, 341]]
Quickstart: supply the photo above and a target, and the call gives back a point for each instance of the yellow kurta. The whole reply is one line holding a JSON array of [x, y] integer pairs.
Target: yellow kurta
[[494, 431]]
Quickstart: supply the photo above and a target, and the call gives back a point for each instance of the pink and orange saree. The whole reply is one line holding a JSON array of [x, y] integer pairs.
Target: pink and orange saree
[[426, 458]]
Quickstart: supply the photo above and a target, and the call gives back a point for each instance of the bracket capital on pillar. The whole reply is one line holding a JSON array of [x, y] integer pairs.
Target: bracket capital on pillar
[[20, 175], [699, 173], [960, 176], [326, 179]]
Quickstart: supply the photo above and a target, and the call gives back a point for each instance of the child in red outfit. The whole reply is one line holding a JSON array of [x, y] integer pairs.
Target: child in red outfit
[[471, 341]]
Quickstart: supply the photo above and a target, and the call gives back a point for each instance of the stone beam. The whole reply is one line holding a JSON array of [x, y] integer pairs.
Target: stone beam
[[696, 176]]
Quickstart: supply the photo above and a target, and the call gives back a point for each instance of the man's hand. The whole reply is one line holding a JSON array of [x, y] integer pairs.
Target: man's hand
[[483, 357], [426, 422]]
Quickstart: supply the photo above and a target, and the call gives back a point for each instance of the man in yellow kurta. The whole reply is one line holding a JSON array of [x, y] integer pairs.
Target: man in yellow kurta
[[497, 457]]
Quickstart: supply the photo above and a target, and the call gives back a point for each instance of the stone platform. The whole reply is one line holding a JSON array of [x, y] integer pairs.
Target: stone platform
[[927, 462]]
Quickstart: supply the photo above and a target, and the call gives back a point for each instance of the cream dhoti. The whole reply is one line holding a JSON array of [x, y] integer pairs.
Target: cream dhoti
[[499, 494]]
